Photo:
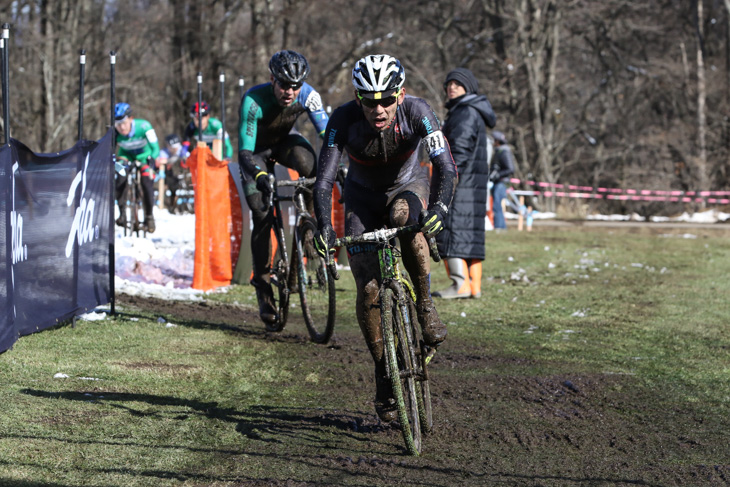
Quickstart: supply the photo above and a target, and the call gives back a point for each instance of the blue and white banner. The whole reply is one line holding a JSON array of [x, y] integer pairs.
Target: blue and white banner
[[56, 233]]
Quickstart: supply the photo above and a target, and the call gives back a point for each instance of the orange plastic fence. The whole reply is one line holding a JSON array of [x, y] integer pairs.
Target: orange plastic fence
[[218, 221]]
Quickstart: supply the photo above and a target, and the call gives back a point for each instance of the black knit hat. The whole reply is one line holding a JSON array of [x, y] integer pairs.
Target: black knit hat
[[465, 77]]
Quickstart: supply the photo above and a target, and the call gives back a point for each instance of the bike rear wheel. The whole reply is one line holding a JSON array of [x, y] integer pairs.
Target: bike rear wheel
[[315, 283], [401, 370]]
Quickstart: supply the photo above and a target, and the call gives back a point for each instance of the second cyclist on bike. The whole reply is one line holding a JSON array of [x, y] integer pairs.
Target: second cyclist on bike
[[382, 131], [137, 143], [266, 136], [212, 129]]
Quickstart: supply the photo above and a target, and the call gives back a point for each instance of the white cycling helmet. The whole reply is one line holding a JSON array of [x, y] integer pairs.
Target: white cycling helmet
[[378, 76]]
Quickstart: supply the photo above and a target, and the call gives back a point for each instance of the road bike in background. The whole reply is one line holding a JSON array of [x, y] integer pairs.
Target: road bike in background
[[306, 273], [133, 221]]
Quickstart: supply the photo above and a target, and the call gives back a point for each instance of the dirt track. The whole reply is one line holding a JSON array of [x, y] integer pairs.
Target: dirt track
[[497, 426]]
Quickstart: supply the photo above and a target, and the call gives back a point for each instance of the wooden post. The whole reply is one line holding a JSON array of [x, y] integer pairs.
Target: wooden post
[[520, 214], [161, 186], [218, 149]]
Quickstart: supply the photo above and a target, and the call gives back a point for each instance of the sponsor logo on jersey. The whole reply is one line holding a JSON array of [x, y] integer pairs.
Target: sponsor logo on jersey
[[331, 138], [251, 119], [427, 124]]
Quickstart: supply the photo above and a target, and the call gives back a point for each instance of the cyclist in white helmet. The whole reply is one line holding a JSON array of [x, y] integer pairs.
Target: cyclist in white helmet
[[382, 131]]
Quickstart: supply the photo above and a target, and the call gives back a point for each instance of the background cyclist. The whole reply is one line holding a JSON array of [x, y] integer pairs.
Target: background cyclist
[[382, 131], [136, 141], [266, 136], [172, 161], [212, 129]]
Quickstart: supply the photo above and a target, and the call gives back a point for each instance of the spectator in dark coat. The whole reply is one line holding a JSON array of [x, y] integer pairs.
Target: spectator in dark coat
[[502, 168], [462, 241]]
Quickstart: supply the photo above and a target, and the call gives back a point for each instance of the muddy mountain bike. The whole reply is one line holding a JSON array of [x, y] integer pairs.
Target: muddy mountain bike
[[306, 273], [406, 354]]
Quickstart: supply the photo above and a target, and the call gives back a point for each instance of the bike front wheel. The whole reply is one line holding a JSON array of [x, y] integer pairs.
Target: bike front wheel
[[423, 356], [134, 210], [279, 278], [315, 283], [399, 357]]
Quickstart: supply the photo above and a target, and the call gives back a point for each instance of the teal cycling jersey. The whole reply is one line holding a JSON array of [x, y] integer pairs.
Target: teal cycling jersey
[[140, 143], [213, 131], [264, 123]]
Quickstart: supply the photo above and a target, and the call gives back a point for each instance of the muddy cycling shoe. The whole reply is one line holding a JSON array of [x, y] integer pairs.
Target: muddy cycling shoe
[[434, 331], [384, 401], [149, 223], [265, 297]]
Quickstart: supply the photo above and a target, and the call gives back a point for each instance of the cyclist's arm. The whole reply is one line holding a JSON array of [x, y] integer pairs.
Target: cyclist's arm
[[311, 100], [439, 152], [163, 158], [190, 132], [152, 148], [229, 147], [250, 115], [327, 166], [153, 143]]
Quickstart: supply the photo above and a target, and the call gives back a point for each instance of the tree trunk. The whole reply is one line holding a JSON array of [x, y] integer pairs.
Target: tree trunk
[[701, 97]]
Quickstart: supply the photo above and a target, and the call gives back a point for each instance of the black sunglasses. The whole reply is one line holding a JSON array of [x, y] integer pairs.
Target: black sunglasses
[[286, 86], [384, 102]]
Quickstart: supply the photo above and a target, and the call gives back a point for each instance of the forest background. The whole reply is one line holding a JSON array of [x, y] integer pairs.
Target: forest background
[[601, 93]]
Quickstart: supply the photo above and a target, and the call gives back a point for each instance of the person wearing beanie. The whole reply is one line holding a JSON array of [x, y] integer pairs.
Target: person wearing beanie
[[461, 244]]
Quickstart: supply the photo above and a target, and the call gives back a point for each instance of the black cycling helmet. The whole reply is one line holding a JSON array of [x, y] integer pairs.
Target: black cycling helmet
[[121, 111], [204, 109], [172, 139], [289, 67]]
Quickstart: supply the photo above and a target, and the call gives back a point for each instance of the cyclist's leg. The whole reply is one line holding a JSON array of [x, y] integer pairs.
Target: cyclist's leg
[[404, 210], [295, 152], [365, 211], [260, 245], [120, 185], [148, 199]]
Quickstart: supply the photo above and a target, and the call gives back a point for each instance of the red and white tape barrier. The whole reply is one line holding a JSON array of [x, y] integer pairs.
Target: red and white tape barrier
[[588, 192]]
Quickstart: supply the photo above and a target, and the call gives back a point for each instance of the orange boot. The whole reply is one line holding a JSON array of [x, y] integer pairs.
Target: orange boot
[[475, 277]]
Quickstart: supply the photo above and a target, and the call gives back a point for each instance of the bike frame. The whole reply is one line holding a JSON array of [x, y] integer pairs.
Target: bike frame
[[300, 210], [400, 334]]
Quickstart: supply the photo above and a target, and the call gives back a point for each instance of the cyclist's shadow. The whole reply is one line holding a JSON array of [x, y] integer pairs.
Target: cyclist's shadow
[[262, 423]]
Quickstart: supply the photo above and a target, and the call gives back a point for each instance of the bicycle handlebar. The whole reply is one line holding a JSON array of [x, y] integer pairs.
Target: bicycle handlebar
[[304, 182], [382, 236]]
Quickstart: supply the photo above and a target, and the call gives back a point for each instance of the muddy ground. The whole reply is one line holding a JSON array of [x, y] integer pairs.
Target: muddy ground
[[496, 423]]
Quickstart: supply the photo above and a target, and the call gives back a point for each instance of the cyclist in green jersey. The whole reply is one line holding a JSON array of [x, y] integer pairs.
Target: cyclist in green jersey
[[267, 136], [136, 142], [212, 128]]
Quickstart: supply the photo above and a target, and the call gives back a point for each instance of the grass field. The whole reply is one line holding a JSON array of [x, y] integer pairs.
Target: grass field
[[595, 357]]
